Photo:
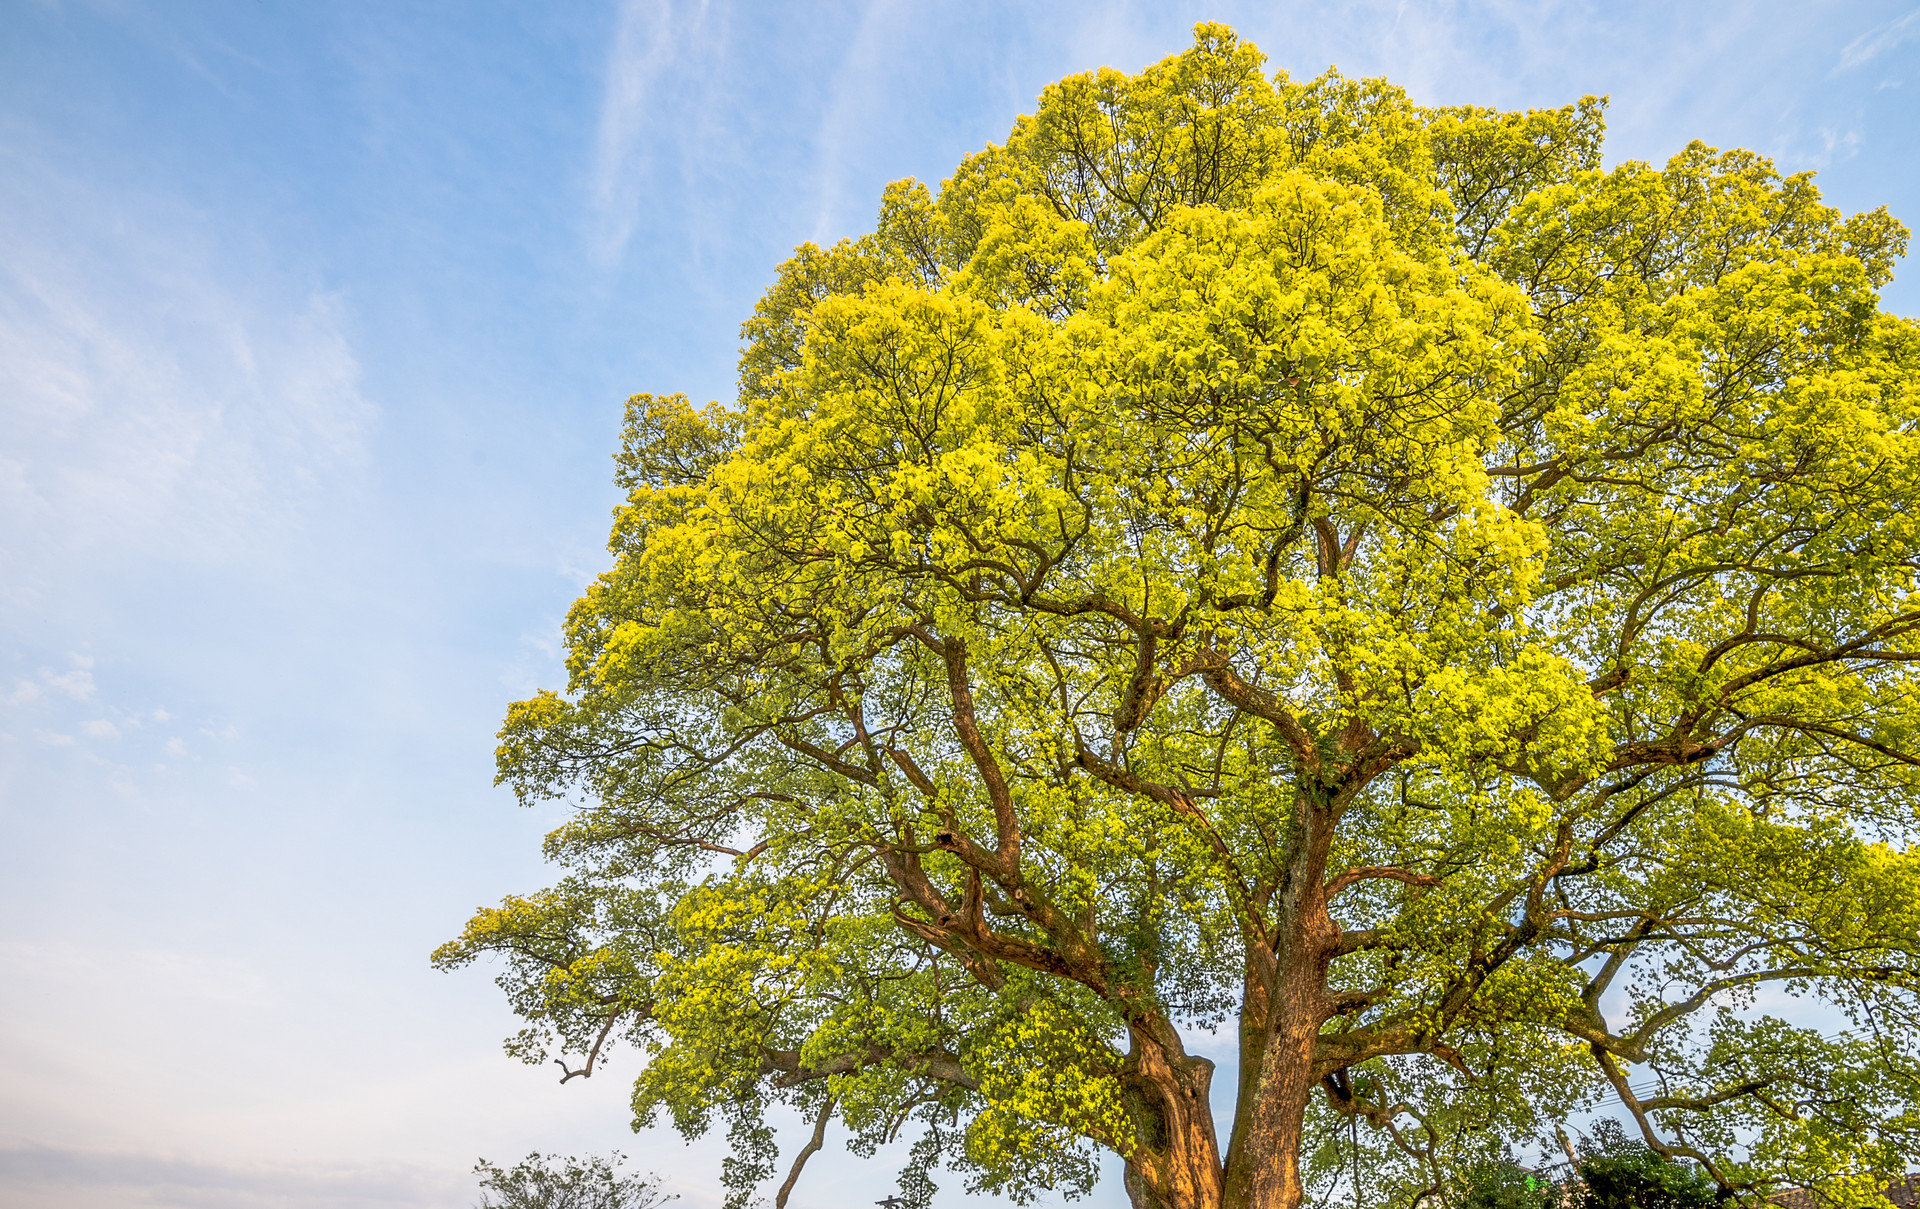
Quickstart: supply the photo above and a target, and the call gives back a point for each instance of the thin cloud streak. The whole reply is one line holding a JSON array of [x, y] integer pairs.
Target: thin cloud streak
[[858, 92], [649, 40], [1871, 45]]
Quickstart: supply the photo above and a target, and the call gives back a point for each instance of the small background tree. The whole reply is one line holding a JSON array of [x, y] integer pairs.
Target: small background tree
[[566, 1182], [1507, 1185], [1618, 1172]]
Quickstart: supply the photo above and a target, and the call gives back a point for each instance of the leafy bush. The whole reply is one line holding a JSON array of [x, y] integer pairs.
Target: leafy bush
[[1640, 1179]]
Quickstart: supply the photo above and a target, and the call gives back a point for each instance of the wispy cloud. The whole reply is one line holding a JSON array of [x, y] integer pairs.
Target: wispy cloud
[[75, 682], [1876, 42], [858, 93], [160, 396], [651, 38], [642, 46]]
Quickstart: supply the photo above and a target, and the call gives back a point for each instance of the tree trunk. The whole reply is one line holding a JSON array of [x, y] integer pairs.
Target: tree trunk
[[1263, 1170], [1175, 1163], [1256, 1012], [1140, 1194], [1284, 1005]]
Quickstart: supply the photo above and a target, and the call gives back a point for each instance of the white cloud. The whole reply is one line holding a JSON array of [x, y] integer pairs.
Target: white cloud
[[1836, 145], [77, 683], [100, 728], [859, 91], [1876, 42], [53, 738], [176, 748]]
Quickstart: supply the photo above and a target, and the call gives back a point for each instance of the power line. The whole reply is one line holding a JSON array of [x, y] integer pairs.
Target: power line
[[1650, 1088]]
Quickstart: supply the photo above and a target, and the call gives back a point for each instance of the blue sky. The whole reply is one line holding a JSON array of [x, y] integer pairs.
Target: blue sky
[[315, 323]]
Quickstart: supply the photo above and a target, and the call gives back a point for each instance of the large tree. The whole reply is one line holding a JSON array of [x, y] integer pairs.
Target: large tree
[[1360, 582]]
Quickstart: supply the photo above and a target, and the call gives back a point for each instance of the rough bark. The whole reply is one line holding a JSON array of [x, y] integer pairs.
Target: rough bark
[[1265, 1169], [1176, 1167], [1256, 1011], [1140, 1194]]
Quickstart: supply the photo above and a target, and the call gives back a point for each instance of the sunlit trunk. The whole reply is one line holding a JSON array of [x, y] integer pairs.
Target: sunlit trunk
[[1176, 1163], [1176, 1166]]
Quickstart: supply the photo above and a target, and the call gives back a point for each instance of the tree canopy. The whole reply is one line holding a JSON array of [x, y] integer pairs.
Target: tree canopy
[[1268, 561]]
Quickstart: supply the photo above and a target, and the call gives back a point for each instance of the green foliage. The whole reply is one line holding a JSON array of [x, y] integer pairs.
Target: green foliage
[[1641, 1179], [1262, 550], [1620, 1174], [1614, 1174], [1505, 1185], [556, 1182]]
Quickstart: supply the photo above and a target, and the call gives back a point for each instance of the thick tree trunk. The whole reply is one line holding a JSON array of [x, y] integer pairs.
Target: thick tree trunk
[[1176, 1159], [1140, 1193], [1285, 1003], [1256, 1012], [1263, 1170], [1176, 1163]]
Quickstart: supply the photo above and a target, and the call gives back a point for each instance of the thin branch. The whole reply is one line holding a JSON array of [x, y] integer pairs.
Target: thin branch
[[1363, 872], [593, 1055], [806, 1152]]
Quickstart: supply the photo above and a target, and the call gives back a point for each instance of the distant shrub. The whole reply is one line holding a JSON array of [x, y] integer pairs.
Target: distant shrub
[[1640, 1179]]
